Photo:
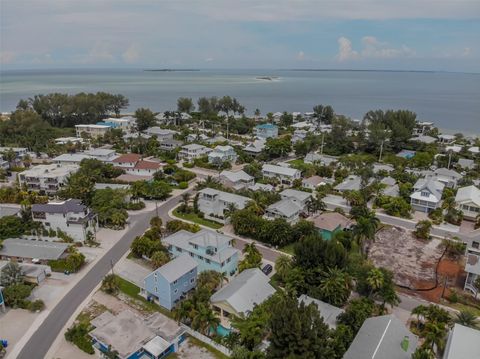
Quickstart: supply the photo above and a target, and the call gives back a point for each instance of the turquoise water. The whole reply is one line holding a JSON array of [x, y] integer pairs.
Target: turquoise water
[[451, 100], [222, 331]]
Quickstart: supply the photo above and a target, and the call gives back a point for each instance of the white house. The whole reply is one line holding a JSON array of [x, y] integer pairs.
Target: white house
[[314, 182], [285, 175], [160, 133], [193, 151], [133, 164], [222, 154], [448, 177], [47, 179], [256, 147], [324, 160], [102, 154], [468, 201], [70, 216], [286, 208], [70, 158], [446, 139], [92, 131], [472, 268], [215, 204], [299, 197], [236, 179], [427, 195], [299, 135]]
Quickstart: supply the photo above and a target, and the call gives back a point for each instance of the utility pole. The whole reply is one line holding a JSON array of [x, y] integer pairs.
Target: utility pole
[[381, 150], [156, 207], [449, 159], [444, 285], [323, 140], [111, 266]]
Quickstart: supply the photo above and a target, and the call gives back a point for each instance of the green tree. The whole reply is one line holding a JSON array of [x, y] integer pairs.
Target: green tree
[[110, 284], [205, 320], [159, 258], [365, 229], [283, 264], [253, 258], [468, 319], [185, 104], [209, 279], [297, 331], [16, 295], [422, 229], [145, 118], [335, 286], [11, 274]]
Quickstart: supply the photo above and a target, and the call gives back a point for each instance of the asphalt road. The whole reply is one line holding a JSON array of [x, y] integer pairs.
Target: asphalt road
[[40, 342]]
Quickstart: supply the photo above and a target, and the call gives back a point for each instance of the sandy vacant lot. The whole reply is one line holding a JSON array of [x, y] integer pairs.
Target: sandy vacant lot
[[412, 260]]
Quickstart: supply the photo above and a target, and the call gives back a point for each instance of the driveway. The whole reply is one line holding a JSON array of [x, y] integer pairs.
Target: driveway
[[132, 271]]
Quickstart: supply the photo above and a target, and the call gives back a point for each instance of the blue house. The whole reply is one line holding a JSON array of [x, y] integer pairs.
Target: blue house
[[169, 283], [266, 130], [211, 250]]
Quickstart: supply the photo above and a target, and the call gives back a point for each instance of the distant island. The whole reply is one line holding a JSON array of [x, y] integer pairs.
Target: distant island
[[267, 78], [170, 70]]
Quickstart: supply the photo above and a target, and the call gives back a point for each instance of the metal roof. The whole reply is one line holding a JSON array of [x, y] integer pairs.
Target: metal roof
[[328, 312], [25, 248], [286, 171], [176, 268], [70, 205], [463, 343]]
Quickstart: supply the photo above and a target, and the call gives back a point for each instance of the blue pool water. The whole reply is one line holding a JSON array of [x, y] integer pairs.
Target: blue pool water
[[222, 331]]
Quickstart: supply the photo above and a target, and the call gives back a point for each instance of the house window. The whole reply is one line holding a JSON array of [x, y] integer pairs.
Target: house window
[[192, 280], [191, 271], [228, 260], [175, 281], [475, 245], [223, 263], [175, 291], [191, 255], [207, 260], [424, 193], [178, 249]]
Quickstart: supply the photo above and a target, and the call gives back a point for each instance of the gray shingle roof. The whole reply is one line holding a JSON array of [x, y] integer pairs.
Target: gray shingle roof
[[25, 248], [245, 290], [328, 312], [177, 267], [70, 205], [293, 193], [286, 171], [381, 338], [285, 207]]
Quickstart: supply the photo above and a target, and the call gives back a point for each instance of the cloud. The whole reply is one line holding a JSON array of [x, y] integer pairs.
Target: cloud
[[99, 53], [209, 59], [131, 55], [7, 57], [301, 56], [345, 51], [466, 52], [372, 48]]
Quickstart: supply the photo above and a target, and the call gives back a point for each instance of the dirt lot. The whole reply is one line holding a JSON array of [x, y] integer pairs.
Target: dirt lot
[[412, 260]]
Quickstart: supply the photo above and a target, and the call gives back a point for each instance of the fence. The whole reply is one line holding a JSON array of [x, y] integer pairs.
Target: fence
[[207, 340]]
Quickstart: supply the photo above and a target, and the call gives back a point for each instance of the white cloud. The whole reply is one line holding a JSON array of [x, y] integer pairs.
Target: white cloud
[[345, 51], [372, 48], [131, 55], [301, 56]]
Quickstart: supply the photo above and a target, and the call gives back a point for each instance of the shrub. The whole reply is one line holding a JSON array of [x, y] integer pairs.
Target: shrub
[[16, 295], [135, 206], [36, 305], [110, 284], [183, 185], [188, 165], [78, 335]]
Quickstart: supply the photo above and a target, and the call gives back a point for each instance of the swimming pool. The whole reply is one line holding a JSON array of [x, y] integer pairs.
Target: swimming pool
[[222, 331]]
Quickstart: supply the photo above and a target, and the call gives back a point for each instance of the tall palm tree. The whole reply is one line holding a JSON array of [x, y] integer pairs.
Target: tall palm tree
[[205, 319], [375, 280], [435, 335], [282, 265], [183, 311], [365, 229], [335, 286], [468, 319]]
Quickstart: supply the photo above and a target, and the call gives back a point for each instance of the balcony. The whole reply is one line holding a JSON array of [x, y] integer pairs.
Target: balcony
[[51, 180], [32, 180]]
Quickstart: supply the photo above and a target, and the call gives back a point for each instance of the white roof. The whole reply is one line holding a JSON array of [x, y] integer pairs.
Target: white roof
[[176, 268], [474, 149], [352, 182], [93, 126], [71, 157], [286, 207], [100, 152], [249, 288], [50, 171], [453, 148], [280, 170], [433, 187], [328, 312], [463, 343], [468, 194], [235, 176], [156, 346], [293, 193], [194, 146], [239, 201], [261, 187]]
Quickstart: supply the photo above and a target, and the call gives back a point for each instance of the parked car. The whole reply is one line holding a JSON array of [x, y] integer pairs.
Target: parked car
[[267, 269]]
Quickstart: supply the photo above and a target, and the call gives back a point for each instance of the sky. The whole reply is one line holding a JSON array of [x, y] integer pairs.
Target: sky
[[439, 35]]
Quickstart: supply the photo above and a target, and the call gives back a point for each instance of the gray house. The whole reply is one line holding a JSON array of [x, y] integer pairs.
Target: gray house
[[382, 337], [169, 283]]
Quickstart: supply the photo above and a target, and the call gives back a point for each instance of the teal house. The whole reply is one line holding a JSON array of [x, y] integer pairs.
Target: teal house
[[329, 223]]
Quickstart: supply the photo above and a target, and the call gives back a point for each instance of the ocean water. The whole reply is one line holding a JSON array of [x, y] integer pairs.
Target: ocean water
[[451, 100]]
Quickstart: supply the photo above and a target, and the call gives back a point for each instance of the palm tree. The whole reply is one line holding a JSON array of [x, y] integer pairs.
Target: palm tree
[[231, 208], [159, 258], [375, 279], [205, 319], [282, 265], [185, 202], [468, 319], [335, 286], [434, 335], [365, 229], [183, 311]]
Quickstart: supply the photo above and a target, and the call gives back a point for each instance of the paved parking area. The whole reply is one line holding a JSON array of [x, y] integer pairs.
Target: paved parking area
[[132, 271]]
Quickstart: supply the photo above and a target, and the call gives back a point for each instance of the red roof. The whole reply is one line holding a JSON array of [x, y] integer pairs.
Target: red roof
[[147, 165], [128, 158]]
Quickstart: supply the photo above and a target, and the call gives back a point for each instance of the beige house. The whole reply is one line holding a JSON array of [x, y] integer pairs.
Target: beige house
[[468, 201]]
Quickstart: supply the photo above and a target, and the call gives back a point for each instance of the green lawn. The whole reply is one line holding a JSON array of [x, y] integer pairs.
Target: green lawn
[[212, 350], [193, 217], [297, 162], [288, 249], [132, 291]]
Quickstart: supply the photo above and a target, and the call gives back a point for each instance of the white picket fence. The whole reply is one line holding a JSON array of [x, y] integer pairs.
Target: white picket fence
[[207, 340]]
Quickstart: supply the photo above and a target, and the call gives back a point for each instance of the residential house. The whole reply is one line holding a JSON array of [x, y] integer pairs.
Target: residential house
[[170, 145], [47, 179], [314, 182], [193, 151], [286, 208], [391, 187], [211, 250], [466, 164], [448, 177], [427, 195], [422, 128], [462, 343], [70, 158], [10, 209], [222, 154], [424, 139], [316, 158], [216, 139], [266, 130], [474, 150], [32, 250], [285, 175], [382, 337], [446, 139], [380, 167], [328, 312], [299, 197], [329, 223], [299, 135], [193, 137], [241, 294], [236, 179], [468, 201], [126, 124], [453, 148], [102, 154], [256, 147], [215, 204], [31, 273], [133, 164], [70, 216], [261, 187], [172, 281], [20, 153], [93, 131], [351, 183], [67, 140], [160, 133], [132, 336], [472, 268]]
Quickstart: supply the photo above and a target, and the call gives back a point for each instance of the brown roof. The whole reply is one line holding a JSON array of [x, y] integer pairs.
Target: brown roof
[[314, 180], [129, 157], [147, 165], [331, 221]]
